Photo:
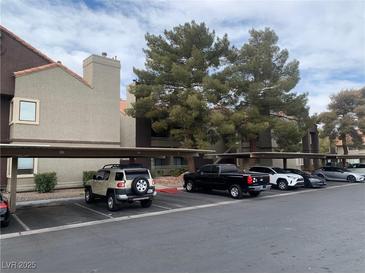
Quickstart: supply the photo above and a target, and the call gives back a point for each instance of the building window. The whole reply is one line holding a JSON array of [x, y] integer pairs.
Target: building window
[[27, 111], [27, 167], [24, 111], [159, 162], [179, 161], [11, 112]]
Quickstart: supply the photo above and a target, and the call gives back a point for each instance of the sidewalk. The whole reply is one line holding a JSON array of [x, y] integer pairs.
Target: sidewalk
[[162, 184]]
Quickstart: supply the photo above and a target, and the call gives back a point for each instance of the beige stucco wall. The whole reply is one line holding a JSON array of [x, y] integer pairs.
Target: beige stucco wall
[[128, 126], [69, 110], [73, 114]]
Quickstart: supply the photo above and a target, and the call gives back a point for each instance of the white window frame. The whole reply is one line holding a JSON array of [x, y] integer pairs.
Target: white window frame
[[15, 111], [35, 169]]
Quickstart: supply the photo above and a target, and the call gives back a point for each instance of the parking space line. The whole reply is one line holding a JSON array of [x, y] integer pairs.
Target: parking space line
[[21, 222], [149, 214], [93, 210], [163, 207]]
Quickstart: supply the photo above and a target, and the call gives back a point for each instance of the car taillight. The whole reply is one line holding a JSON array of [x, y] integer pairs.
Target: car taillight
[[152, 182], [249, 180], [3, 204], [121, 184]]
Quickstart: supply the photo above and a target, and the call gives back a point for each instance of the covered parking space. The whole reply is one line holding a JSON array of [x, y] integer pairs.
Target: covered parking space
[[16, 151], [318, 158], [343, 158]]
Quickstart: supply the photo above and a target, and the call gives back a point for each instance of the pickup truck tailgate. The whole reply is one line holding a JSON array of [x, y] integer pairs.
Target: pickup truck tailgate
[[260, 179]]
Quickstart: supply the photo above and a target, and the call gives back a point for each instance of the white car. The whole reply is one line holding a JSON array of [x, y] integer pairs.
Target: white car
[[280, 178]]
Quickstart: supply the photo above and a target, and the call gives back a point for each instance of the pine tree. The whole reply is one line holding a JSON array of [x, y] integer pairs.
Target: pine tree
[[171, 91], [260, 79], [345, 118]]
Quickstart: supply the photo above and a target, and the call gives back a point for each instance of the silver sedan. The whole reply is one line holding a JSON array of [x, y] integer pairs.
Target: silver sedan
[[339, 174]]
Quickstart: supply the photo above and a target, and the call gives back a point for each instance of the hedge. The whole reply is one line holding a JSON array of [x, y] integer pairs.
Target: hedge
[[45, 182]]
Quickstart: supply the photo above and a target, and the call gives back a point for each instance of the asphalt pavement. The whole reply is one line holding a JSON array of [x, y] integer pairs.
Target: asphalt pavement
[[301, 231]]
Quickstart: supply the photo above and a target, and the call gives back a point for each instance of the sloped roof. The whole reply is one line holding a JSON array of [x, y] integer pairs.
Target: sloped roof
[[52, 64], [17, 38], [49, 66]]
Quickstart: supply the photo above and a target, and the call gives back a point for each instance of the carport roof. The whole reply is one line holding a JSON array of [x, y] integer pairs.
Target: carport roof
[[50, 151], [271, 155]]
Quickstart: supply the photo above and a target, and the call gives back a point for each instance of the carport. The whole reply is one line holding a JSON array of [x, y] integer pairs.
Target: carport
[[15, 151], [273, 155], [343, 158]]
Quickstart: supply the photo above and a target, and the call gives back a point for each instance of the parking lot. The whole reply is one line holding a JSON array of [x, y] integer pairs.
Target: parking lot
[[76, 212]]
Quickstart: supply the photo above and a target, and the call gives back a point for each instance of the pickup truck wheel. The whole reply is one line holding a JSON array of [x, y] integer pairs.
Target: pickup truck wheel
[[254, 193], [282, 184], [111, 202], [235, 191], [89, 196], [190, 186], [146, 203], [351, 179]]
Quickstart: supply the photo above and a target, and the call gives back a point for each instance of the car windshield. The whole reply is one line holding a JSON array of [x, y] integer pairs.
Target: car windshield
[[280, 170], [131, 174]]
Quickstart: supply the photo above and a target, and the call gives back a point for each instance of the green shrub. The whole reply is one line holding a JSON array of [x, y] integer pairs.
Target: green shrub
[[87, 175], [45, 182]]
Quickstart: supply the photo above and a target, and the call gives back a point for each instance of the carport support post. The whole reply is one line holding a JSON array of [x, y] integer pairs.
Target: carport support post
[[13, 179], [285, 163]]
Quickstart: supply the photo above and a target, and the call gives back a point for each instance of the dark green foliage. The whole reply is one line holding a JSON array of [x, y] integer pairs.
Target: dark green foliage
[[197, 89], [288, 135], [170, 91], [260, 80], [45, 182], [345, 118], [87, 175]]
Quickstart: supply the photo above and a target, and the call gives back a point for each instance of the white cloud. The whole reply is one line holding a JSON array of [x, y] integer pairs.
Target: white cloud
[[327, 37]]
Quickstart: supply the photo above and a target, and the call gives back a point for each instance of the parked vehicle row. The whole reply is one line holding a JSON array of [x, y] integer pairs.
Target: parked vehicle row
[[260, 178], [130, 183]]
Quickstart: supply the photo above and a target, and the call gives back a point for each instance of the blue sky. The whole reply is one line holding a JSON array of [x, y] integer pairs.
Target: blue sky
[[327, 37]]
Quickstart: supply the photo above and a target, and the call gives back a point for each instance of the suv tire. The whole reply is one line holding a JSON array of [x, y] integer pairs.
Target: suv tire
[[254, 193], [235, 191], [140, 186], [146, 203], [190, 187], [111, 202], [89, 196], [282, 184]]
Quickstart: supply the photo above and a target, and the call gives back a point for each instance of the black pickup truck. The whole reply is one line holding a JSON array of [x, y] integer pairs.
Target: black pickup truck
[[227, 177]]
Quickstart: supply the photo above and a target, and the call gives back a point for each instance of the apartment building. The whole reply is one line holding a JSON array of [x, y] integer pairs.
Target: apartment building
[[44, 102]]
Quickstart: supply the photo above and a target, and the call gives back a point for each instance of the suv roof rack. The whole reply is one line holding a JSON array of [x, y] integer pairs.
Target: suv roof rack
[[130, 165]]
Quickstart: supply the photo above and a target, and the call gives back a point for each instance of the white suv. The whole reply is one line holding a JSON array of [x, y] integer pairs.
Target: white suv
[[280, 178], [121, 184]]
